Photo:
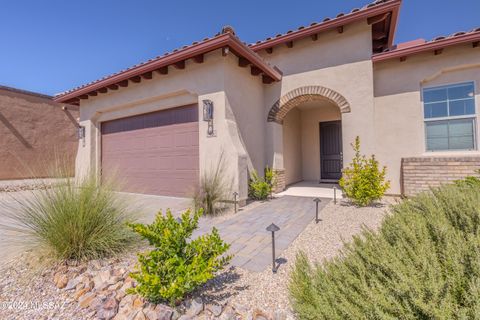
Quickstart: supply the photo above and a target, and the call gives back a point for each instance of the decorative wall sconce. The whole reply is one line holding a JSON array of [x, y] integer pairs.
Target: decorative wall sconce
[[208, 116]]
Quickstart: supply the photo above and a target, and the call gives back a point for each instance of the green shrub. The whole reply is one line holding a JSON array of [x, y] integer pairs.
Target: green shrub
[[215, 187], [177, 265], [424, 263], [363, 182], [261, 188], [74, 219]]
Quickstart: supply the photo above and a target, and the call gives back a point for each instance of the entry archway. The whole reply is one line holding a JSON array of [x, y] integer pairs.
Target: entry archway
[[302, 95]]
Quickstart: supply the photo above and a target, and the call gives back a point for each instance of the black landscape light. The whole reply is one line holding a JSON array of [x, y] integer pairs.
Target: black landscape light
[[235, 195], [316, 200], [273, 228], [334, 195]]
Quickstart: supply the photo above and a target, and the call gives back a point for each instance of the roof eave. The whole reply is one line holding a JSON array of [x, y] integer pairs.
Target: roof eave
[[224, 40], [429, 46], [334, 23]]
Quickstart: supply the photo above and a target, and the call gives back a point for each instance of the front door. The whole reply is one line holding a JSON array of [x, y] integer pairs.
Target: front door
[[331, 155]]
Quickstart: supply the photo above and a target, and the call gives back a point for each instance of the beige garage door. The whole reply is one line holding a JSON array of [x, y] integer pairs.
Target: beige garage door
[[154, 153]]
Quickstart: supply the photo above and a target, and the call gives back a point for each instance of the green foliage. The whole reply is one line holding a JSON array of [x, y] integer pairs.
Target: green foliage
[[424, 263], [73, 219], [177, 265], [363, 182], [214, 188], [472, 181], [260, 188]]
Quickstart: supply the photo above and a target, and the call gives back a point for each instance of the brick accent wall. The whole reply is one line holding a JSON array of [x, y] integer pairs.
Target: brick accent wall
[[420, 173], [280, 182], [305, 94]]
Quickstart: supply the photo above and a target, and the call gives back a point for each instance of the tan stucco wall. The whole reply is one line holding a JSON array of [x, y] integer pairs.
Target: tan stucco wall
[[209, 80], [399, 125], [35, 134], [341, 62], [292, 146]]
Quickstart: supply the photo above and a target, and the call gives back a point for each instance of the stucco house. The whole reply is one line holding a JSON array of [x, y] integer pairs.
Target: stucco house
[[294, 102], [35, 131]]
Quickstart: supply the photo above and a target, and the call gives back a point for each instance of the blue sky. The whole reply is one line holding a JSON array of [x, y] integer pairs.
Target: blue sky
[[49, 46]]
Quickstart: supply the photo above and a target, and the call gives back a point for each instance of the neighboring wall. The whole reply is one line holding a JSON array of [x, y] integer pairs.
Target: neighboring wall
[[400, 131], [33, 132]]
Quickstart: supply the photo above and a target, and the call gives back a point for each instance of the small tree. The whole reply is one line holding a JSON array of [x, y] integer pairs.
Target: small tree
[[362, 181]]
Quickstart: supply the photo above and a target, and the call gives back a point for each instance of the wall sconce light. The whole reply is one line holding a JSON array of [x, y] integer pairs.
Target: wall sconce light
[[207, 110], [208, 116]]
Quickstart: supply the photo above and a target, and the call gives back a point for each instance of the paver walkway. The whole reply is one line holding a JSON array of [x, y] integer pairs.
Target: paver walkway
[[250, 243]]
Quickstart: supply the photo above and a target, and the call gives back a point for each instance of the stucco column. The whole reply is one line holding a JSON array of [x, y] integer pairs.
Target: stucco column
[[274, 152], [223, 146]]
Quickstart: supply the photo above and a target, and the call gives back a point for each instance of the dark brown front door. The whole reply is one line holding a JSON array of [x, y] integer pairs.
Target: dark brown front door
[[331, 150], [154, 153]]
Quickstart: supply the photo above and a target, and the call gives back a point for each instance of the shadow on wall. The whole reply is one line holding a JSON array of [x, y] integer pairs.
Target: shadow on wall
[[15, 132]]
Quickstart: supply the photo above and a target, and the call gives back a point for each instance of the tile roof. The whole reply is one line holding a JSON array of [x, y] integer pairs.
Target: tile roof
[[225, 38], [420, 45], [315, 25], [300, 32]]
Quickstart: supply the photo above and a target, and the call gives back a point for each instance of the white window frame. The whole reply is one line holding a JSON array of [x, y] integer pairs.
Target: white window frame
[[461, 117]]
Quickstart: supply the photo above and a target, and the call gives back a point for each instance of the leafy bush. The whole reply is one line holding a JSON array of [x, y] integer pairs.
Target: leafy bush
[[261, 188], [215, 187], [363, 182], [424, 263], [75, 219], [177, 266]]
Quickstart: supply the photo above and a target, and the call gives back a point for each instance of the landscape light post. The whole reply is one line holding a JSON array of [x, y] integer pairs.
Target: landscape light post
[[316, 200], [334, 195], [273, 228], [235, 195]]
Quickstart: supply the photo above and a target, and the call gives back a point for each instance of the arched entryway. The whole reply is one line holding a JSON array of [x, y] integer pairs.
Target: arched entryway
[[311, 129]]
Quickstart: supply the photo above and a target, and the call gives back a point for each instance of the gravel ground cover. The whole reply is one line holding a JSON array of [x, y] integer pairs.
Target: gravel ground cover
[[264, 293]]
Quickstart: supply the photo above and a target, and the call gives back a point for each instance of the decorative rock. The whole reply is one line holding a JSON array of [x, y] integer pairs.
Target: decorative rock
[[108, 309], [185, 317], [80, 293], [138, 303], [241, 309], [259, 315], [86, 299], [102, 278], [196, 306], [215, 309], [72, 283], [60, 280], [139, 316], [228, 314], [162, 312]]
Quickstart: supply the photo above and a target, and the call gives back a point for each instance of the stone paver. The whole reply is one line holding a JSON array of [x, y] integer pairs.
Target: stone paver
[[245, 230]]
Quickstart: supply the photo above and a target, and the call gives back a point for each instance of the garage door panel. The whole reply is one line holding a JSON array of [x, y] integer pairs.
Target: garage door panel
[[153, 153]]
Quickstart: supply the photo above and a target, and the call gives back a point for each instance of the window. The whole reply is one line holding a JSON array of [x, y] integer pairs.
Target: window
[[449, 113]]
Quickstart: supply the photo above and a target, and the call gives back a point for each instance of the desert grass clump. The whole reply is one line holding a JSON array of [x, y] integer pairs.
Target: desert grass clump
[[424, 263], [74, 219], [214, 189]]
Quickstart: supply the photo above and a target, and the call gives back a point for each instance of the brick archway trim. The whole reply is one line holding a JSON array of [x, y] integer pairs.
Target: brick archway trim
[[305, 94]]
